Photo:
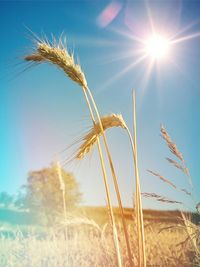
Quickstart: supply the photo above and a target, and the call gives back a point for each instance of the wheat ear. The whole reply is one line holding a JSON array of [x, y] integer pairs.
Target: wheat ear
[[56, 54], [90, 139]]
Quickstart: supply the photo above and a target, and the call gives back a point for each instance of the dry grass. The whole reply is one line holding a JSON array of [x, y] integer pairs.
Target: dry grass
[[191, 230], [172, 146], [175, 151], [167, 181], [178, 166], [82, 243], [161, 198]]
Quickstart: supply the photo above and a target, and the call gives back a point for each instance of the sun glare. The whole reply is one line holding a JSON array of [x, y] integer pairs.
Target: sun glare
[[157, 47]]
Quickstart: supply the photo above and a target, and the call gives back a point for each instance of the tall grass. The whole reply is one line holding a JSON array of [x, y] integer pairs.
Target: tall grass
[[89, 245], [191, 229]]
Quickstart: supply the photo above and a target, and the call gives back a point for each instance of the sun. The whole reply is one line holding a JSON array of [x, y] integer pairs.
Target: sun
[[157, 47]]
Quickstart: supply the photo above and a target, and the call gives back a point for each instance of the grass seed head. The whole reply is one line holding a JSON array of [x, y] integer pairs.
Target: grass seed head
[[160, 198], [57, 54], [90, 139], [172, 146]]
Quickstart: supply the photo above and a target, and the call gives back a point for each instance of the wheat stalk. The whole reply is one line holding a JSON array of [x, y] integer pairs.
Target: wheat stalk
[[90, 139], [62, 187], [113, 175], [56, 54], [140, 220], [115, 236]]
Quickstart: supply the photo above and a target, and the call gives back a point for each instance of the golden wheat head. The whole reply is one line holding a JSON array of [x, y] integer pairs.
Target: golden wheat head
[[57, 54], [90, 139]]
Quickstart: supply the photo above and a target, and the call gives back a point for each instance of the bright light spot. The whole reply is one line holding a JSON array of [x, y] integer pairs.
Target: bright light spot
[[157, 47]]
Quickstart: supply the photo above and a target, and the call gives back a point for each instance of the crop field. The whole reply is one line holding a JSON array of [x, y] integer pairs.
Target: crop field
[[84, 180], [86, 240]]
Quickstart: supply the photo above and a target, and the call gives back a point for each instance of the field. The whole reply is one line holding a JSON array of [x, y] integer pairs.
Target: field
[[43, 225], [85, 239]]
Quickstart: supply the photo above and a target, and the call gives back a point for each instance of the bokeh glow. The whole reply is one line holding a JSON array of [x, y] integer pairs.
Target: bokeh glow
[[157, 47]]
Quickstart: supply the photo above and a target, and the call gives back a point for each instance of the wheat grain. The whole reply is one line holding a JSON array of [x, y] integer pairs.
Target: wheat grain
[[90, 139], [57, 54]]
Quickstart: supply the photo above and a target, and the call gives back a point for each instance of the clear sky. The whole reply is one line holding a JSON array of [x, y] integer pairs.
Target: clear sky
[[42, 112]]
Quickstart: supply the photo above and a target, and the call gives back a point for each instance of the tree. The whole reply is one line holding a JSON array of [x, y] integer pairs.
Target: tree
[[5, 199], [44, 195]]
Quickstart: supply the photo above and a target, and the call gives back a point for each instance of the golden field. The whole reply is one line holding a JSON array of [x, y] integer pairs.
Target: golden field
[[85, 240]]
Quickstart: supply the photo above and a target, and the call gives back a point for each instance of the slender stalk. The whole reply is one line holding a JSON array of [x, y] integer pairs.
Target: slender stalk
[[137, 206], [138, 201], [115, 236], [134, 148], [114, 177], [62, 188]]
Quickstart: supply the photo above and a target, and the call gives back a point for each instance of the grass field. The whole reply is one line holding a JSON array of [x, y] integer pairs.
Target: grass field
[[86, 240], [97, 236]]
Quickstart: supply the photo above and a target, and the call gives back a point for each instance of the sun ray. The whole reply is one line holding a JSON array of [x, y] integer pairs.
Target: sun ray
[[149, 14], [123, 56], [153, 43], [186, 38], [146, 77], [128, 35], [118, 75], [184, 29]]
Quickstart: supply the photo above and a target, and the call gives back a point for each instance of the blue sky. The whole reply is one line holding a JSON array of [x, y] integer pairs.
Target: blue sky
[[42, 112]]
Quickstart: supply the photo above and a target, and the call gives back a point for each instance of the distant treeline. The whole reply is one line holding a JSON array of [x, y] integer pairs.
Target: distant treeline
[[98, 214]]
